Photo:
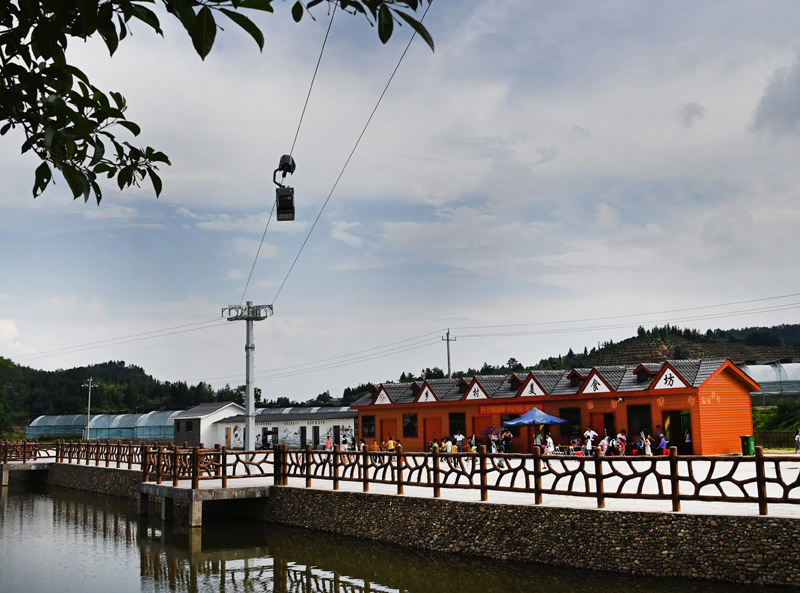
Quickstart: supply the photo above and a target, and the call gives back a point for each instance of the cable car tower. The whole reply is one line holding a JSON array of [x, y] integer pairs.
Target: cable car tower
[[248, 313]]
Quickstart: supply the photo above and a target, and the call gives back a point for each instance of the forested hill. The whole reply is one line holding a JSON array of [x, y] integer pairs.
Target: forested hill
[[119, 387], [753, 345]]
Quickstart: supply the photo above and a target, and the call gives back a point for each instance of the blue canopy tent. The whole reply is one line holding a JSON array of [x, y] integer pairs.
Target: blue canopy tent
[[534, 417]]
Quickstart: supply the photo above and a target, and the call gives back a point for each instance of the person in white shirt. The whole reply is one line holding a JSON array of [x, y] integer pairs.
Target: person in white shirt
[[589, 435]]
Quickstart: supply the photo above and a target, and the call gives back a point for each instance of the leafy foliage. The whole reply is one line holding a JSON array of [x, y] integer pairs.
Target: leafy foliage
[[70, 124]]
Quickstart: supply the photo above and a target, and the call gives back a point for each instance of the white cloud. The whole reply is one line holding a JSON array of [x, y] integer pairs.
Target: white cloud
[[341, 231]]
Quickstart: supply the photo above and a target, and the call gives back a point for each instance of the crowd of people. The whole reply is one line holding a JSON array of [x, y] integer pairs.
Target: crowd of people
[[645, 443]]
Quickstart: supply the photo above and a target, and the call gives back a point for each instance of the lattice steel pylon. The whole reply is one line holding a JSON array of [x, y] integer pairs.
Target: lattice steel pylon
[[248, 313]]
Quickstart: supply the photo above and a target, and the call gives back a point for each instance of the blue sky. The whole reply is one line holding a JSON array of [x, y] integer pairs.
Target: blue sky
[[551, 177]]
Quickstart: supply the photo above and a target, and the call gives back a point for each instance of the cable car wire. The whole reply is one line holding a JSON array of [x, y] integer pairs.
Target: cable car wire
[[294, 142], [350, 156]]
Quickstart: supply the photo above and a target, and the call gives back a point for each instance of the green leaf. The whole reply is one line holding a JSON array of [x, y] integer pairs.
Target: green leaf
[[418, 27], [125, 177], [156, 181], [99, 151], [203, 32], [131, 126], [246, 24], [44, 175], [385, 23], [77, 181], [265, 5], [297, 11], [147, 16]]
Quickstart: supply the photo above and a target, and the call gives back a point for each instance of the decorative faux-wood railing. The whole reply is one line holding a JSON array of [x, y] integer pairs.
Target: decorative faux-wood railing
[[759, 479], [25, 451]]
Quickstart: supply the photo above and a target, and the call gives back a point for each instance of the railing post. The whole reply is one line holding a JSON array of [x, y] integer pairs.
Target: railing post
[[484, 483], [145, 463], [130, 454], [195, 468], [761, 481], [598, 476], [437, 487], [365, 470], [159, 464], [224, 463], [335, 469], [307, 464], [398, 451], [673, 479], [284, 465], [278, 452], [5, 451], [537, 475], [175, 471]]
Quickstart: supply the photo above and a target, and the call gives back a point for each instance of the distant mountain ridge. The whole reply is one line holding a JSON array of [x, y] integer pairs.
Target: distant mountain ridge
[[752, 345]]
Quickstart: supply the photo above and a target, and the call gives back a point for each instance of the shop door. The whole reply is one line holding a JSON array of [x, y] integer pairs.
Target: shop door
[[337, 433], [675, 424], [303, 436], [388, 429], [228, 437], [479, 423], [315, 436], [432, 429]]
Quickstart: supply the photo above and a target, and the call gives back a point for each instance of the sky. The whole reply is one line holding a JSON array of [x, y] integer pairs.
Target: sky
[[552, 176]]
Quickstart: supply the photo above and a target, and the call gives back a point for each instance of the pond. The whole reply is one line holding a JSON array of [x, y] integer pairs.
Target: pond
[[68, 541]]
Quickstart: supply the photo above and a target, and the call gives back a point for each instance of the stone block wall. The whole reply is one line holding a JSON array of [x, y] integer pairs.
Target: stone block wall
[[758, 550], [99, 480]]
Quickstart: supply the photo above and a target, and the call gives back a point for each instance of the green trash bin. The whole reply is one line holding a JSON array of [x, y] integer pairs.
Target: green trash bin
[[748, 444]]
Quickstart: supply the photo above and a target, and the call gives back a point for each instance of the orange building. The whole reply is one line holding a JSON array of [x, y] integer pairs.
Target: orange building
[[709, 398]]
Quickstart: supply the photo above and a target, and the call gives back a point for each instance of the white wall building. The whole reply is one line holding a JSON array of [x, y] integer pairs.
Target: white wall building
[[295, 427]]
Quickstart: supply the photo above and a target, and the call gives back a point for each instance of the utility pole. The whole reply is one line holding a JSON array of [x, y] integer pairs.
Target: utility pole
[[248, 313], [448, 340], [88, 407]]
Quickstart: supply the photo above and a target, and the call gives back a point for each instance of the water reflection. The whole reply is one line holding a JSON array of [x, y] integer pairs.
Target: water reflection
[[71, 541]]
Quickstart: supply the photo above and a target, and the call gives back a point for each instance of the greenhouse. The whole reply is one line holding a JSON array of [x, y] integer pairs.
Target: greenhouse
[[147, 426]]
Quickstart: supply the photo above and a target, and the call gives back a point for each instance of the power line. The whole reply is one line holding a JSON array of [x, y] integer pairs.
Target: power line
[[180, 329], [385, 351], [774, 298]]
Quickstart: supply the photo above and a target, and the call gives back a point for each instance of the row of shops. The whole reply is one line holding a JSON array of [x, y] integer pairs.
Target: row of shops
[[705, 401]]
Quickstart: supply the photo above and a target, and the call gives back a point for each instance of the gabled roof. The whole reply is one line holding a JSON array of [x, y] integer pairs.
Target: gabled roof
[[203, 410], [616, 378]]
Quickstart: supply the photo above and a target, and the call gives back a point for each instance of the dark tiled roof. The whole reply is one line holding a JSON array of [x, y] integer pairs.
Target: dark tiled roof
[[202, 410], [548, 379], [620, 378]]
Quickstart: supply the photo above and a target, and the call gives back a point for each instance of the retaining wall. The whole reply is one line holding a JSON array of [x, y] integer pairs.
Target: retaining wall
[[758, 550]]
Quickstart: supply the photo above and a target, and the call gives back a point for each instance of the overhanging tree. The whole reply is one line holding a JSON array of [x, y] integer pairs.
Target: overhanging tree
[[69, 123]]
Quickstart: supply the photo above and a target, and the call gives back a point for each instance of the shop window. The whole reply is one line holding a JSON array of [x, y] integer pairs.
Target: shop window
[[409, 425], [640, 419], [189, 426], [368, 426], [458, 423], [572, 426]]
